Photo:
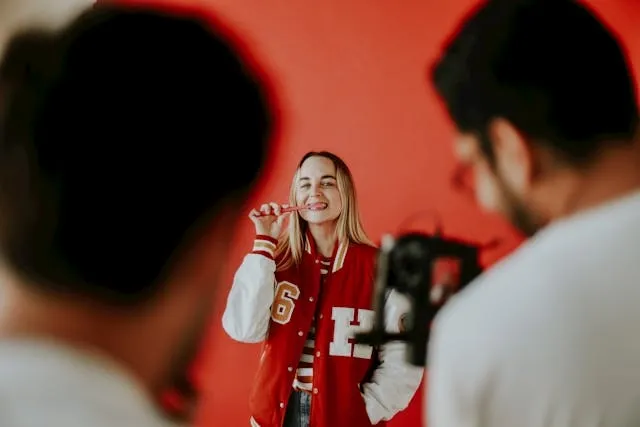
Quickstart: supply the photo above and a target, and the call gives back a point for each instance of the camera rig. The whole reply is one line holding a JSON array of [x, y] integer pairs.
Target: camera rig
[[406, 264]]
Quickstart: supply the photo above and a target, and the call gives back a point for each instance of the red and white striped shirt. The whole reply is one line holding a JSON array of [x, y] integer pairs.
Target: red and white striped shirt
[[304, 373]]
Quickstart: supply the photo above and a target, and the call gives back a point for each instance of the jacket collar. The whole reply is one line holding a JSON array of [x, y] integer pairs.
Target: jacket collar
[[338, 256]]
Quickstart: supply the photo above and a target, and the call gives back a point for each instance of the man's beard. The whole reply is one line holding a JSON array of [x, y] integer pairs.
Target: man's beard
[[516, 212], [180, 382]]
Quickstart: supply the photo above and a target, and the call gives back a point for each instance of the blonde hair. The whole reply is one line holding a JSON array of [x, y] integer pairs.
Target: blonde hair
[[291, 243]]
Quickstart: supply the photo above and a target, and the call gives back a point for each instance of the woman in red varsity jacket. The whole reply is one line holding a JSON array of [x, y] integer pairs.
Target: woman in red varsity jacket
[[304, 292]]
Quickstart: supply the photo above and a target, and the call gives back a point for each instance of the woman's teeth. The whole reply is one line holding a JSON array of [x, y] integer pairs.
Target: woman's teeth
[[317, 206]]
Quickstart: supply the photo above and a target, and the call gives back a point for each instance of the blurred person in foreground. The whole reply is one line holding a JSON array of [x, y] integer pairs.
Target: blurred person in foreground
[[117, 208], [544, 101]]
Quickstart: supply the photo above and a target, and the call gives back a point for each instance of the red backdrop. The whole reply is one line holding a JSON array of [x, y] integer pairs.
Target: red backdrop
[[351, 79]]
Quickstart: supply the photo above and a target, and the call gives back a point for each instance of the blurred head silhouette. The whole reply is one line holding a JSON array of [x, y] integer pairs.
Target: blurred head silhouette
[[116, 200], [545, 108]]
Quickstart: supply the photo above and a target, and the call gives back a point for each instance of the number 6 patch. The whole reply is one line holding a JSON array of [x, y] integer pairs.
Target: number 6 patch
[[284, 302]]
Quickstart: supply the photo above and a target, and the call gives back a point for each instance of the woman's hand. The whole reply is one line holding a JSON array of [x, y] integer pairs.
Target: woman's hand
[[269, 219]]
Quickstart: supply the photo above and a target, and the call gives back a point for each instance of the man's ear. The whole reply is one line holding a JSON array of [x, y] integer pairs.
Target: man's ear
[[514, 157]]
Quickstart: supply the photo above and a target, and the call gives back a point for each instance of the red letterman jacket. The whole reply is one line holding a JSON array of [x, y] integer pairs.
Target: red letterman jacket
[[350, 389]]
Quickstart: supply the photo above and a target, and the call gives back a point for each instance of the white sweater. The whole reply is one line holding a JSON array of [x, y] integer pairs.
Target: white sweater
[[550, 337]]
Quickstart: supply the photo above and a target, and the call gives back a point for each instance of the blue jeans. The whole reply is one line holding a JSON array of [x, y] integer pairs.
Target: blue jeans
[[298, 409]]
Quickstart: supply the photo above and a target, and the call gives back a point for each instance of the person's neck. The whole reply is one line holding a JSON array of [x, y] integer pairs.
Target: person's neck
[[324, 236], [615, 174], [31, 316]]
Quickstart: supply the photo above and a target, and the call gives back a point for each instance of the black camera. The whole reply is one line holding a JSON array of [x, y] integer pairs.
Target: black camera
[[406, 264]]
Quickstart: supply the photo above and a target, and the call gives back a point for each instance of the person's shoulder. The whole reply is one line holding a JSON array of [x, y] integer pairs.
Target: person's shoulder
[[484, 302], [503, 303]]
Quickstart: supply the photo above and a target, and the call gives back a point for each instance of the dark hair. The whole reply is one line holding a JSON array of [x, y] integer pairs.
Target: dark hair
[[550, 67], [119, 135]]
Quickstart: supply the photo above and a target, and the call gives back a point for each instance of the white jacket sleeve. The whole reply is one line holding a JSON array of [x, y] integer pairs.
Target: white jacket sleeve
[[248, 311], [395, 381]]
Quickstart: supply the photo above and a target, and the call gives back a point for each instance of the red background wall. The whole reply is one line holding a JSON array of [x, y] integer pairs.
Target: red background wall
[[351, 79]]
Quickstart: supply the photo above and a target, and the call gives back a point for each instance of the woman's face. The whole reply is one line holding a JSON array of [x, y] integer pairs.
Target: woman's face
[[317, 184]]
